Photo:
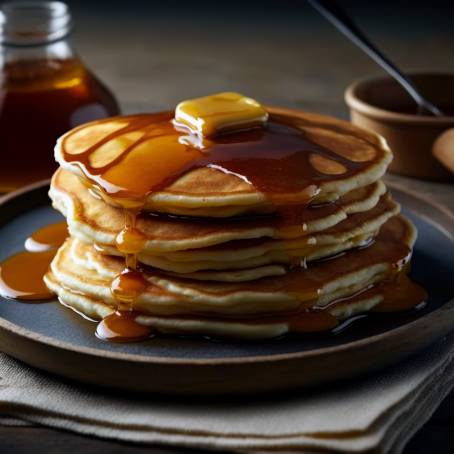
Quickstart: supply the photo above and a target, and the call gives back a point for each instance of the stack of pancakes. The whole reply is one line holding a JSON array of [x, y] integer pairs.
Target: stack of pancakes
[[222, 256]]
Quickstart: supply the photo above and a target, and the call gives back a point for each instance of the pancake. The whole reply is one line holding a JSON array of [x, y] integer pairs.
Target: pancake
[[115, 157], [349, 284], [271, 257], [166, 241], [229, 219], [93, 221]]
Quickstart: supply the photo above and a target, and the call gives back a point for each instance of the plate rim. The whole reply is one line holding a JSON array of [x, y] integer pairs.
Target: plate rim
[[417, 200]]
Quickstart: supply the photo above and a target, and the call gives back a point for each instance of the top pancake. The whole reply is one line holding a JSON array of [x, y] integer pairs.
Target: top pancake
[[144, 158]]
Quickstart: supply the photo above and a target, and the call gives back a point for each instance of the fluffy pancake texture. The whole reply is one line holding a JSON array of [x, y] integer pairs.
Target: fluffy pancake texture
[[213, 192], [260, 232], [190, 246], [81, 278]]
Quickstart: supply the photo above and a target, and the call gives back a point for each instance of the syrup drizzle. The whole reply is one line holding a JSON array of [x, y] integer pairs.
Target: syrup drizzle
[[116, 164], [49, 237], [397, 291], [259, 156], [388, 247], [126, 287], [121, 326]]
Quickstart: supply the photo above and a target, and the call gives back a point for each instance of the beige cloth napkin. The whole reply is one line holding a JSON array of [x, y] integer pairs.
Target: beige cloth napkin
[[381, 412]]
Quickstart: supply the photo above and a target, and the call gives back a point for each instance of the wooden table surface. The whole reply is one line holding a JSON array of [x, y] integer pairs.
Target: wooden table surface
[[281, 53]]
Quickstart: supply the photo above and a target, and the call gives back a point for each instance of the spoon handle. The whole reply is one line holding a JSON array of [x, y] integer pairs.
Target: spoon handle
[[338, 17]]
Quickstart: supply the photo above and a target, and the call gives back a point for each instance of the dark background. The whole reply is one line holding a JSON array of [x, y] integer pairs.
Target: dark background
[[155, 53]]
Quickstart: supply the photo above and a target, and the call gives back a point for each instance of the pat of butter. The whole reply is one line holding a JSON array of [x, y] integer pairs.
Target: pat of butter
[[219, 113]]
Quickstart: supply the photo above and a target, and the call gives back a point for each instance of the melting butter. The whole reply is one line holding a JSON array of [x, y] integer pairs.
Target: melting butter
[[220, 112]]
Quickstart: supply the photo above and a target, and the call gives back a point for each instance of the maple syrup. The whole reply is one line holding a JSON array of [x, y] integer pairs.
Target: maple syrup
[[21, 275], [260, 155], [126, 179], [397, 291], [135, 144], [400, 294], [127, 286], [278, 159], [45, 91], [121, 326], [49, 237]]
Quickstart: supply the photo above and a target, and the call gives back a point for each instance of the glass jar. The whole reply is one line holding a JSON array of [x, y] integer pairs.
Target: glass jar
[[45, 90]]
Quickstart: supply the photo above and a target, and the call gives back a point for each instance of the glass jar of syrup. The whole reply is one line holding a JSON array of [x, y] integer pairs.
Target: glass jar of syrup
[[45, 90]]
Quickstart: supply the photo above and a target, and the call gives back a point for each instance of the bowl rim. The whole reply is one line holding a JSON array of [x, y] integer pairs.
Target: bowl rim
[[355, 103]]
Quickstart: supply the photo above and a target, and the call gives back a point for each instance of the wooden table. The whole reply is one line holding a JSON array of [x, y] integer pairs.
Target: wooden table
[[278, 52]]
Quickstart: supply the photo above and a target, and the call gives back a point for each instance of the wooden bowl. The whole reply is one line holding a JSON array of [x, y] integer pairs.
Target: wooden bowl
[[380, 104]]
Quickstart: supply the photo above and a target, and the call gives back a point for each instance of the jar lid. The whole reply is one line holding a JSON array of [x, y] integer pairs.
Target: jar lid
[[28, 23]]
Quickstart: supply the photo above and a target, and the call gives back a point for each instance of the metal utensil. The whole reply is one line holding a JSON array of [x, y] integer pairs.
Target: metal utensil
[[340, 19]]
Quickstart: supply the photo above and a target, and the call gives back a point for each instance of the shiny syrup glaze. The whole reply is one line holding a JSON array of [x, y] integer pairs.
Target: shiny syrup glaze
[[388, 247], [260, 156], [40, 100], [21, 275], [383, 206], [278, 160], [49, 237], [121, 326], [398, 292]]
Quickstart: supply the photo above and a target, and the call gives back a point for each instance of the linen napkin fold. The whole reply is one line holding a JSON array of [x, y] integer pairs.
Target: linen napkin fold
[[380, 412]]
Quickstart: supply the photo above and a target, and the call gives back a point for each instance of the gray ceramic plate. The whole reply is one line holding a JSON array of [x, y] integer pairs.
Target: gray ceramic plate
[[53, 338]]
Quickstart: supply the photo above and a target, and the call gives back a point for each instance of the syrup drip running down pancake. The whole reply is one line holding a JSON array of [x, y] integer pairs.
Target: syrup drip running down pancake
[[126, 159], [190, 245], [303, 300], [229, 220]]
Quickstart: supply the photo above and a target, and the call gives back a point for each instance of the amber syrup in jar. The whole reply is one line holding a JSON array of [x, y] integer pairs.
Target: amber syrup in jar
[[45, 90]]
